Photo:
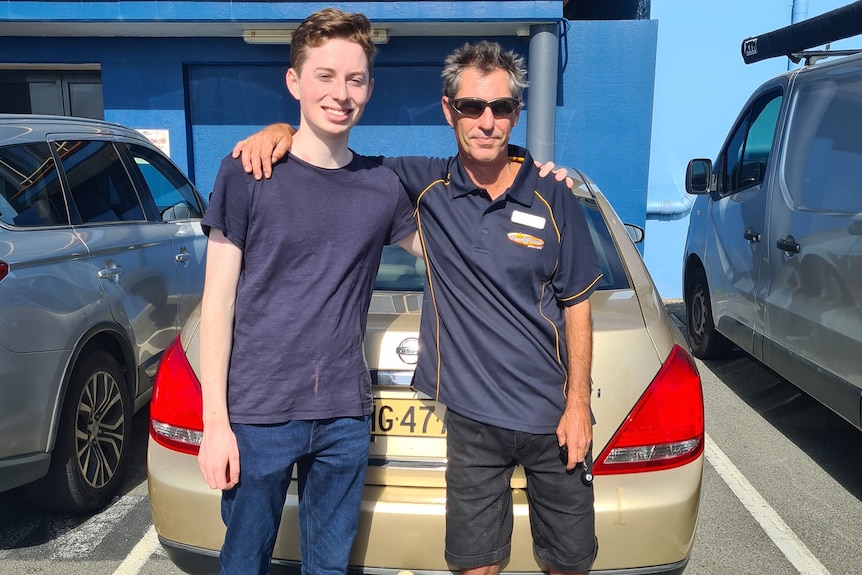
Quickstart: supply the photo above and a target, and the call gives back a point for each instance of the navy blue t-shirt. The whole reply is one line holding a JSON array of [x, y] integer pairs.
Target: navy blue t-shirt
[[501, 272], [311, 240]]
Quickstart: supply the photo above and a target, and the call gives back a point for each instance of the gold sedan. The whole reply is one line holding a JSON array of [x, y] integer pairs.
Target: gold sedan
[[648, 439]]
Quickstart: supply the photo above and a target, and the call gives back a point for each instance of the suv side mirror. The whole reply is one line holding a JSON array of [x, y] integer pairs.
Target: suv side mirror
[[698, 176], [636, 233]]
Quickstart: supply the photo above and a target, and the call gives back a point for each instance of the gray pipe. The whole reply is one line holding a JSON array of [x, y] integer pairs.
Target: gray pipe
[[798, 12], [669, 209], [542, 70]]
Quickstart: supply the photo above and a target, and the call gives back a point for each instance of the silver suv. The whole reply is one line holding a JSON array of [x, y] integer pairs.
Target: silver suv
[[101, 261], [773, 258]]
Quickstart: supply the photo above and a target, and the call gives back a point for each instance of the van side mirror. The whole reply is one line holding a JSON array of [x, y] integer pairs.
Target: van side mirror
[[698, 176]]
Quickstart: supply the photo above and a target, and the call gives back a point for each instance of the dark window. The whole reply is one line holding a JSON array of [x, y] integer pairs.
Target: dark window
[[99, 184], [66, 93], [748, 153], [30, 190]]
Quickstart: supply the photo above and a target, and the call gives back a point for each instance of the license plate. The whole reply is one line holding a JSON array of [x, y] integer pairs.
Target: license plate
[[408, 418]]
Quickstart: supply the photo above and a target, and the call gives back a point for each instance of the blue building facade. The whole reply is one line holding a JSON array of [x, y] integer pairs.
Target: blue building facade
[[184, 70], [628, 91]]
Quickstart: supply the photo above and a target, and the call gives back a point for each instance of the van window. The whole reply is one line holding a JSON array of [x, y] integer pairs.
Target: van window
[[30, 190], [748, 152], [824, 145]]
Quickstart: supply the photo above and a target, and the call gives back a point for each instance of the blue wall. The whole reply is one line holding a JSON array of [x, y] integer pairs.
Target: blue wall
[[210, 92], [604, 116]]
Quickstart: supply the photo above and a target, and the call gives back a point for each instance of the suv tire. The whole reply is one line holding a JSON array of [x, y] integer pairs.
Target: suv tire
[[91, 450], [704, 340]]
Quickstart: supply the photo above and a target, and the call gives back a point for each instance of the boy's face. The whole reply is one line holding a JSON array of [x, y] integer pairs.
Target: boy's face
[[332, 87]]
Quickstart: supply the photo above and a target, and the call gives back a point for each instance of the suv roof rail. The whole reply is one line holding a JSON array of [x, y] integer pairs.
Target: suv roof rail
[[820, 30]]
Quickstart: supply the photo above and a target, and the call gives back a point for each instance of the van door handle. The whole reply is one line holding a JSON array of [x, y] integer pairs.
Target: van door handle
[[751, 235], [111, 271], [788, 245], [184, 256]]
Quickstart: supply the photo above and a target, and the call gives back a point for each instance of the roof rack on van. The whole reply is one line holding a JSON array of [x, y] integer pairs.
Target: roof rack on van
[[812, 56], [835, 25]]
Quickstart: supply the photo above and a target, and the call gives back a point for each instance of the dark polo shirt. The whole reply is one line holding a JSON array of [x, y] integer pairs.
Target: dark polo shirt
[[492, 339]]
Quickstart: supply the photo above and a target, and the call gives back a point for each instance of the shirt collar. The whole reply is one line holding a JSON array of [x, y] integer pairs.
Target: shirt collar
[[521, 191]]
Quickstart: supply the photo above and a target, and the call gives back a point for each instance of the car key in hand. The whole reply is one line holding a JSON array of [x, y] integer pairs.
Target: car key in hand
[[586, 474]]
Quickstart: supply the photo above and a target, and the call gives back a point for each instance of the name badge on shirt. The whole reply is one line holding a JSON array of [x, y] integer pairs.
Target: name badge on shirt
[[530, 220]]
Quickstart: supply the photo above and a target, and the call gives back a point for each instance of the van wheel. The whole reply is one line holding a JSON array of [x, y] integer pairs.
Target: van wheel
[[705, 342], [91, 450]]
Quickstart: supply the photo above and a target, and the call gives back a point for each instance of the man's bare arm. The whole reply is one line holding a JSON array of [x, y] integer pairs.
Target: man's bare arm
[[412, 244], [575, 429]]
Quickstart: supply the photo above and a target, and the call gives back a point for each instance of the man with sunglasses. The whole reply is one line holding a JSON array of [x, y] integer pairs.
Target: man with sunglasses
[[506, 332]]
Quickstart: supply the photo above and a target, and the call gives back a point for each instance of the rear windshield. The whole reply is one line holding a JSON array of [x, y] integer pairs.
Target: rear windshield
[[400, 271]]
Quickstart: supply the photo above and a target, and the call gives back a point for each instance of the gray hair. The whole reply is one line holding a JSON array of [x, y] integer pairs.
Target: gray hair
[[486, 57]]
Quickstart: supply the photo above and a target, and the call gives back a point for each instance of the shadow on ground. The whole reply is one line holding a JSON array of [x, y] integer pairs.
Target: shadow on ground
[[824, 436]]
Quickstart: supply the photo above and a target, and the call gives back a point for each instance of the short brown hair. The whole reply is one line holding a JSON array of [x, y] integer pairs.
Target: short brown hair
[[328, 24]]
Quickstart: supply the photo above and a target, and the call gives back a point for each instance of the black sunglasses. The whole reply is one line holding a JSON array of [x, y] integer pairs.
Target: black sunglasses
[[475, 107]]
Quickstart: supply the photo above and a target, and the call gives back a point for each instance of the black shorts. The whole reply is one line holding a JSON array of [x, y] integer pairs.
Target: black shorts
[[479, 515]]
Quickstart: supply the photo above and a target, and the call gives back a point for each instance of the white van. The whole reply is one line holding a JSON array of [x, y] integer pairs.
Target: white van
[[773, 257]]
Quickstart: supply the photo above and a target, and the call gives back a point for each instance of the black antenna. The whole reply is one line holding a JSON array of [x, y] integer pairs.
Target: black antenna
[[834, 25]]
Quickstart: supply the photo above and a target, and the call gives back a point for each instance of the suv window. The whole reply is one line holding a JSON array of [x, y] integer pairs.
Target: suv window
[[749, 149], [824, 145], [175, 199], [99, 184], [30, 190]]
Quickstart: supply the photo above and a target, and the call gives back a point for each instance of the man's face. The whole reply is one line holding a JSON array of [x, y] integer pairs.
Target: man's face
[[332, 87], [484, 139]]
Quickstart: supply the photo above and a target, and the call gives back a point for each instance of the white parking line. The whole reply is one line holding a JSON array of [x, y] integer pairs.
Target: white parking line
[[787, 542], [80, 541], [139, 556]]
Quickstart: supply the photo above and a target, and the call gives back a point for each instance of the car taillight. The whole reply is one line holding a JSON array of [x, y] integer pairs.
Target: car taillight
[[176, 409], [665, 427], [4, 270]]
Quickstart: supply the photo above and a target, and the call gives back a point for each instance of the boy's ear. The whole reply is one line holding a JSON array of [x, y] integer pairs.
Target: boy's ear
[[291, 79]]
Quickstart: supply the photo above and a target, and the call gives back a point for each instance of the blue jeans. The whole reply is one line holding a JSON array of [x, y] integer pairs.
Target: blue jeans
[[331, 456]]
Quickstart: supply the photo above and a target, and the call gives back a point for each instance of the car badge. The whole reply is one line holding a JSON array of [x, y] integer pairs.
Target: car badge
[[408, 350]]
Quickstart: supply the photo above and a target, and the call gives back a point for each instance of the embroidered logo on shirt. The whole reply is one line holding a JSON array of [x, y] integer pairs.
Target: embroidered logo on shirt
[[526, 240], [529, 220]]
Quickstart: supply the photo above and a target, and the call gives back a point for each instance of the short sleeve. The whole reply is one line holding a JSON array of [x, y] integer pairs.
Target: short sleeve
[[403, 221], [578, 273], [417, 172], [230, 203]]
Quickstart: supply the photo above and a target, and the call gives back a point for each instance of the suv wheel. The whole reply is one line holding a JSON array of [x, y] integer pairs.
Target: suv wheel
[[705, 342], [92, 443]]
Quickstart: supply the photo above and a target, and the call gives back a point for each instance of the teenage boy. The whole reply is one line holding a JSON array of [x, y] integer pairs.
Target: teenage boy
[[290, 269]]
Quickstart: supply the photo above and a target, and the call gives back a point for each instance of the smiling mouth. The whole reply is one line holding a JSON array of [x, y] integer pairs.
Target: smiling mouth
[[334, 112]]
